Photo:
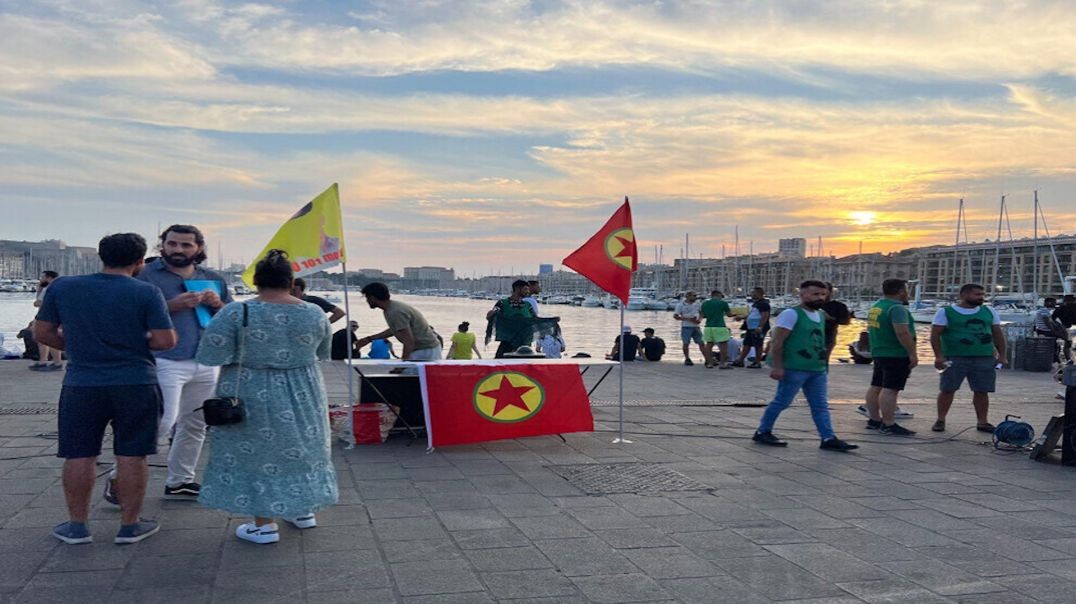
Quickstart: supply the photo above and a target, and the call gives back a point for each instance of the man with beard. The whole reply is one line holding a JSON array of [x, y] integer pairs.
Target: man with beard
[[798, 360], [968, 343], [111, 323], [185, 384]]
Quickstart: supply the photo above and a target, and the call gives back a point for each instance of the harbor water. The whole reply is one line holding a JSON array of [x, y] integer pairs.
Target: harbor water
[[590, 330]]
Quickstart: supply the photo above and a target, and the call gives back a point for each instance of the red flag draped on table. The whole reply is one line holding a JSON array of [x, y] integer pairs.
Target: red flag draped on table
[[609, 257], [478, 403]]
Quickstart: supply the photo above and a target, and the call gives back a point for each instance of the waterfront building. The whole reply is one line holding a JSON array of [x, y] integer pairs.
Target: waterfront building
[[26, 259]]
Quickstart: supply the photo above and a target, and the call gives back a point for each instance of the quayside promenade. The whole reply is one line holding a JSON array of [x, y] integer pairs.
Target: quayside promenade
[[934, 518]]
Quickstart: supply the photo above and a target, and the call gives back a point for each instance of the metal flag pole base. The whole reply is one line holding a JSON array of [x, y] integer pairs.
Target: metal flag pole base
[[619, 440]]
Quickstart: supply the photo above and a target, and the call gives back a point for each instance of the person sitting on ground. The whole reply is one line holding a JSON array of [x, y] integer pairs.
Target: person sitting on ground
[[653, 347], [29, 345], [340, 340], [631, 346], [860, 350], [463, 344]]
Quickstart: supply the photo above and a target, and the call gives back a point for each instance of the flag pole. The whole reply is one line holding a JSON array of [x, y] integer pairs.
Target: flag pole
[[351, 370], [621, 439]]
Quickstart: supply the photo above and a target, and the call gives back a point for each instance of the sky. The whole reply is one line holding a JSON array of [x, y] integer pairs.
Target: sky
[[491, 136]]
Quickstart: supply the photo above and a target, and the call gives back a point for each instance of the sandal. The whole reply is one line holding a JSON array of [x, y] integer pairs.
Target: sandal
[[939, 426]]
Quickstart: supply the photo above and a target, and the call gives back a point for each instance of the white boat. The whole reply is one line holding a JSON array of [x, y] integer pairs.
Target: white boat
[[558, 300], [611, 302], [640, 298], [591, 302]]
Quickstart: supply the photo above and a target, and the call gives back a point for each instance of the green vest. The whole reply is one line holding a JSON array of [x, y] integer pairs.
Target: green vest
[[884, 342], [805, 346], [968, 335]]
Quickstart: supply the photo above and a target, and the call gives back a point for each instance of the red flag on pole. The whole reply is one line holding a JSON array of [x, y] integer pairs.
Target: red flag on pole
[[609, 257]]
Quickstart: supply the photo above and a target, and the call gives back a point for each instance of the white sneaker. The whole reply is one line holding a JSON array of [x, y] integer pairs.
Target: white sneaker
[[901, 413], [266, 533], [303, 522]]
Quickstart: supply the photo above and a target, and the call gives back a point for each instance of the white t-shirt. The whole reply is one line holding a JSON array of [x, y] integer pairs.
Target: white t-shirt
[[689, 311], [734, 347], [941, 320], [40, 296], [551, 346], [533, 302], [788, 317]]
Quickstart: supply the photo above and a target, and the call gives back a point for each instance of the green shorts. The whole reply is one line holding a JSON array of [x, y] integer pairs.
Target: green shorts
[[716, 335]]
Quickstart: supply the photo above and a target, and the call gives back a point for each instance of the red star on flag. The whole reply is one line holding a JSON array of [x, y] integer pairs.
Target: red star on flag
[[508, 395], [629, 247]]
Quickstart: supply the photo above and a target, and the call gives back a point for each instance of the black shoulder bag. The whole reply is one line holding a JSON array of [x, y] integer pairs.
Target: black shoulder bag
[[224, 410]]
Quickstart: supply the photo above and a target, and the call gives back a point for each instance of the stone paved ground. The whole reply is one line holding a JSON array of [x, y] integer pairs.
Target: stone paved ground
[[920, 520]]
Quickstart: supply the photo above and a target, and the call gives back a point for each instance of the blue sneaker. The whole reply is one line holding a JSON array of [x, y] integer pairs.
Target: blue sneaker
[[133, 533], [73, 533]]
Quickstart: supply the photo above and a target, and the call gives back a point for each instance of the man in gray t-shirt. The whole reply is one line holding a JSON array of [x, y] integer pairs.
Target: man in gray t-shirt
[[406, 324], [688, 312]]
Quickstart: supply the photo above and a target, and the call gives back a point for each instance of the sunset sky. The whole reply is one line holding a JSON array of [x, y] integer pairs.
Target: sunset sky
[[495, 135]]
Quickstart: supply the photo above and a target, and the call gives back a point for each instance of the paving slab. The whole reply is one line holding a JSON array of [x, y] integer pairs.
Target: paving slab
[[928, 520]]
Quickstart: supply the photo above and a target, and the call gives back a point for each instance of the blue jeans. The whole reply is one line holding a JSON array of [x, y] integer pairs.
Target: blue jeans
[[815, 386]]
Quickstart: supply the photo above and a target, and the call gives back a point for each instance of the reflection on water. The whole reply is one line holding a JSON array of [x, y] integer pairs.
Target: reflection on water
[[589, 330]]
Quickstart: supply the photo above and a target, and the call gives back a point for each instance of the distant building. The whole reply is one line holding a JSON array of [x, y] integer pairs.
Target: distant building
[[545, 269], [795, 246], [428, 277], [26, 259]]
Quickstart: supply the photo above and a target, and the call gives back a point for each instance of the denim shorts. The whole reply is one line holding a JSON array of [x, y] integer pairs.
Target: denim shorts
[[85, 412], [689, 333], [979, 372]]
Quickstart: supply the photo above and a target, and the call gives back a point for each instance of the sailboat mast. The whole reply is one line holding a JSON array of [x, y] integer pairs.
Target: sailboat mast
[[997, 249], [1035, 255]]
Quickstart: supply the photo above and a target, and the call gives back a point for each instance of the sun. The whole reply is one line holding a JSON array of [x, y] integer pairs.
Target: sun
[[863, 218]]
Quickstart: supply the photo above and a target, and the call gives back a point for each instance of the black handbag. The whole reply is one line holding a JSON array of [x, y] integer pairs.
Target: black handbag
[[224, 410]]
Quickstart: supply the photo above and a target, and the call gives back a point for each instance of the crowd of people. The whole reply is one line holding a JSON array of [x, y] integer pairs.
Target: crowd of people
[[147, 349]]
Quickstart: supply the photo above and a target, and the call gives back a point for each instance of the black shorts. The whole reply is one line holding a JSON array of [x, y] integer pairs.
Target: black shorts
[[85, 411], [891, 373], [753, 338]]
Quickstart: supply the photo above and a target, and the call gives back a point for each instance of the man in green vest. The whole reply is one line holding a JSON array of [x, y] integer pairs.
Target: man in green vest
[[892, 337], [798, 359], [968, 343], [514, 319]]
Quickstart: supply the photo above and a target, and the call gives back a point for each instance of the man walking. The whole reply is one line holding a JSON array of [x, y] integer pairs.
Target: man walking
[[185, 383], [110, 322], [892, 336], [689, 313], [757, 324], [714, 311], [798, 360], [968, 343], [45, 352], [837, 314], [406, 324], [298, 289]]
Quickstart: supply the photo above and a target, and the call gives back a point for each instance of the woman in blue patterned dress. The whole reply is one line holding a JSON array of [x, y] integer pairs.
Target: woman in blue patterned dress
[[276, 462]]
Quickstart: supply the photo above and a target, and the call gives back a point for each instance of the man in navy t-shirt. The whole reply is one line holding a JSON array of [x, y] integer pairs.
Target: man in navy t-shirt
[[110, 324]]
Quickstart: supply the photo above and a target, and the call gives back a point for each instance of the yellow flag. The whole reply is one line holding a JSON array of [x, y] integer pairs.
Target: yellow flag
[[313, 237]]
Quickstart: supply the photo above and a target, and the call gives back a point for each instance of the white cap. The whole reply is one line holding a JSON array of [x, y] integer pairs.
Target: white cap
[[626, 328]]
